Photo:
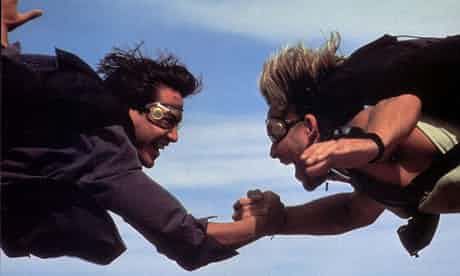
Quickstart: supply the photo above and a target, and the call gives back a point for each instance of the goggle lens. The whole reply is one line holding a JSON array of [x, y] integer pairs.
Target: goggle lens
[[277, 128], [163, 116]]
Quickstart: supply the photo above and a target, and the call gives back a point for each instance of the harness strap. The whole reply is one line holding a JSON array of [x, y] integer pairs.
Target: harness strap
[[425, 181]]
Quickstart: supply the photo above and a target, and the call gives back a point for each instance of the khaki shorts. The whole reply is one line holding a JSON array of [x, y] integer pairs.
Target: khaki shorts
[[445, 196]]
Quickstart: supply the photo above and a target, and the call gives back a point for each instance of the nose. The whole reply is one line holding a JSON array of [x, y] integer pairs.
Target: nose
[[274, 151], [173, 134]]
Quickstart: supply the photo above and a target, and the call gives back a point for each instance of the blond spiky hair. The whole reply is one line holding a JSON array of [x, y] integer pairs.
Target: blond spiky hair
[[294, 69]]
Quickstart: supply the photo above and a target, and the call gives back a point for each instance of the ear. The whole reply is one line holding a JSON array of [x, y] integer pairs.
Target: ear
[[311, 123], [136, 116]]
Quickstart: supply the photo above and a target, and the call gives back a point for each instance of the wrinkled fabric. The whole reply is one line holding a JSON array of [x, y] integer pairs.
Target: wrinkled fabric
[[387, 67], [66, 161]]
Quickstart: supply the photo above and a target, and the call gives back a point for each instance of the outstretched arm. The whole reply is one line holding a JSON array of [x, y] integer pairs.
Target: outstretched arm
[[162, 220], [330, 215], [12, 19], [258, 215]]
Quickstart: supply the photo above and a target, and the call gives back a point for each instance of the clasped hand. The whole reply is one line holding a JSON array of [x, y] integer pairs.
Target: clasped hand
[[265, 207]]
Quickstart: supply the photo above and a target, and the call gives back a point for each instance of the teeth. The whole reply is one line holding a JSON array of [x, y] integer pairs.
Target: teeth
[[158, 146]]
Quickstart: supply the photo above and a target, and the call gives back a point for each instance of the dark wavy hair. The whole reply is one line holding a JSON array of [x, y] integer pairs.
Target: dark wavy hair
[[133, 77]]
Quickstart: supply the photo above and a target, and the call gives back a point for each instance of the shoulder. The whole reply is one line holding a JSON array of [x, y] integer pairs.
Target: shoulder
[[112, 152], [68, 61]]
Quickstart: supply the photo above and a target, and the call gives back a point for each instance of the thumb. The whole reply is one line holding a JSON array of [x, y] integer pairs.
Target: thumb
[[27, 16]]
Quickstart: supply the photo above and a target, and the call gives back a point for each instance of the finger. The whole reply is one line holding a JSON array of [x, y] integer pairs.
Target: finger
[[255, 194], [236, 205], [29, 15], [236, 216], [250, 208], [308, 151], [319, 169], [316, 169], [309, 155], [313, 149], [269, 196], [320, 153], [25, 17], [253, 213], [246, 201], [249, 211]]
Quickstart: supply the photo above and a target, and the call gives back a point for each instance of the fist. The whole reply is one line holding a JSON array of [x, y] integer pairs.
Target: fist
[[265, 207]]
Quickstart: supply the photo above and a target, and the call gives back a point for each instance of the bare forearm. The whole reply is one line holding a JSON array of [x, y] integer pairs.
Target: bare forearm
[[234, 234], [331, 215], [393, 119], [320, 217]]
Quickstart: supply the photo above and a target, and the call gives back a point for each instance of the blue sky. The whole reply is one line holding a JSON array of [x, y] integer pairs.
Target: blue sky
[[223, 149]]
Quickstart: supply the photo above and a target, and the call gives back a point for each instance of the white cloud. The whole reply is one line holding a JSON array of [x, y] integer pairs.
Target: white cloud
[[231, 151], [300, 19]]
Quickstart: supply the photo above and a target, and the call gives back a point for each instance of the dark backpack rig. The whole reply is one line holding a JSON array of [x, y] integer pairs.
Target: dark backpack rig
[[388, 67]]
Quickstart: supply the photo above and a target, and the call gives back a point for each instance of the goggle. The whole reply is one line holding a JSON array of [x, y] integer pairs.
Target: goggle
[[164, 116], [277, 128]]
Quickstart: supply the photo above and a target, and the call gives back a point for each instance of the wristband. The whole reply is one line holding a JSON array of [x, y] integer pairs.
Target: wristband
[[381, 147], [356, 132]]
